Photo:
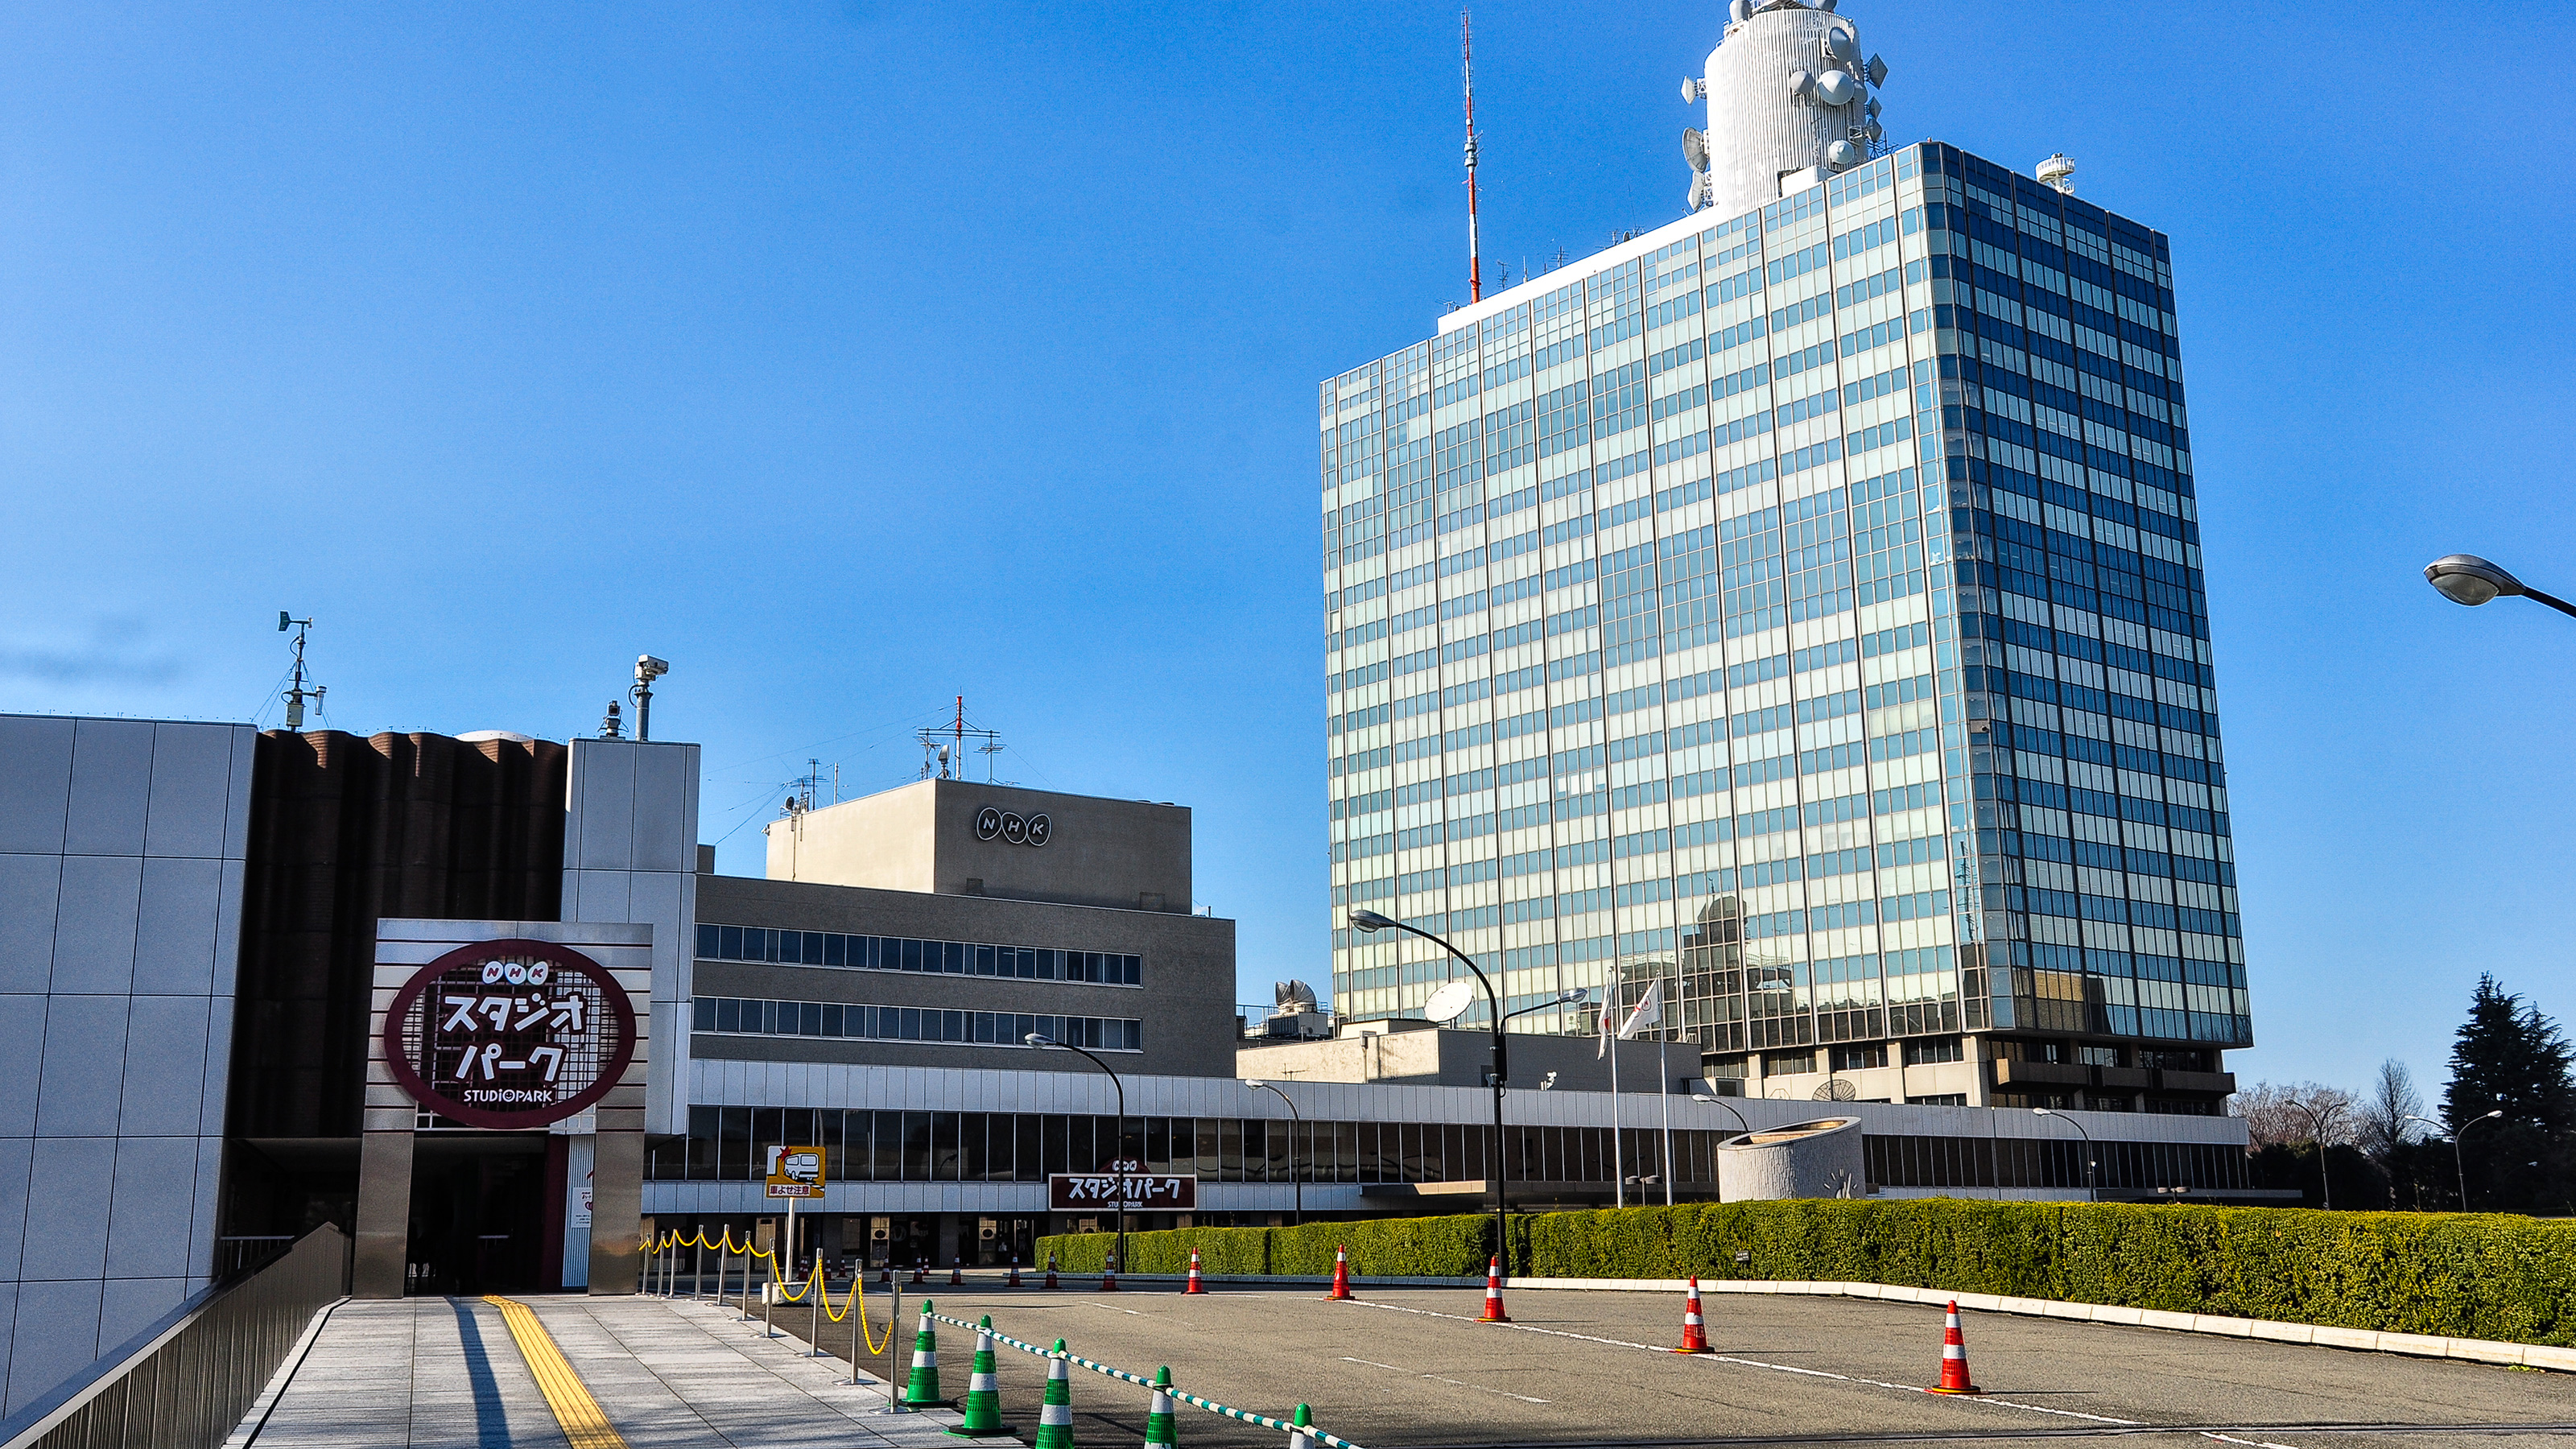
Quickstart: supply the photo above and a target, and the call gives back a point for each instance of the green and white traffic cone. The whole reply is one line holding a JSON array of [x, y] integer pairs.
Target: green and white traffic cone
[[983, 1392], [923, 1391], [1298, 1424], [1158, 1418], [1055, 1418]]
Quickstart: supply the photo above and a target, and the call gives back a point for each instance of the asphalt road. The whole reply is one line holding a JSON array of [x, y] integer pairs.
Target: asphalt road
[[1412, 1367]]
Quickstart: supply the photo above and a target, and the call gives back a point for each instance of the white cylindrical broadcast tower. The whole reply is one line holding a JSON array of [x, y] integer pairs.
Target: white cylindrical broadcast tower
[[1787, 92]]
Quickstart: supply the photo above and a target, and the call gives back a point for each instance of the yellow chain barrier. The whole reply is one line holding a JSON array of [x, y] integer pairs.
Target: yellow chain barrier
[[855, 1302]]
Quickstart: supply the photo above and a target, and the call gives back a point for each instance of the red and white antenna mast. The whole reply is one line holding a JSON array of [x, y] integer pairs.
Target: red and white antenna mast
[[1467, 72]]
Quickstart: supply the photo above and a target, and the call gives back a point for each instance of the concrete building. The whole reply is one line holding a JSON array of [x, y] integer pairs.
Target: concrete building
[[317, 957]]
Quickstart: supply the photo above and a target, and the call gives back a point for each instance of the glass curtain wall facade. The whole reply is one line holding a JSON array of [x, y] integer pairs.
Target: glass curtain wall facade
[[1805, 609]]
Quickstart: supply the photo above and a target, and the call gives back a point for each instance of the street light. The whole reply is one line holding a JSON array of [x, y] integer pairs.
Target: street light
[[1296, 1178], [2091, 1193], [1705, 1099], [1039, 1039], [2465, 578], [2458, 1160], [1369, 922], [2317, 1134]]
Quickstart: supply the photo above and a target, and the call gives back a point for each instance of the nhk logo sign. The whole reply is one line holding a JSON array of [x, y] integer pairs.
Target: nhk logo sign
[[509, 1034]]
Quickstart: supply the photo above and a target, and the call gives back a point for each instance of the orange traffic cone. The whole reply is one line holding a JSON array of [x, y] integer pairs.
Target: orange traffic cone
[[1195, 1286], [920, 1269], [1341, 1274], [957, 1271], [1694, 1328], [1494, 1292], [1050, 1279], [1109, 1274], [1954, 1358], [1015, 1272]]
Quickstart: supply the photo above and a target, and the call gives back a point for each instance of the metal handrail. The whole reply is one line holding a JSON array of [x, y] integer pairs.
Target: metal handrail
[[186, 1382]]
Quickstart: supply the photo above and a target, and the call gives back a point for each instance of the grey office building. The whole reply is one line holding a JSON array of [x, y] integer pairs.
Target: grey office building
[[1801, 604]]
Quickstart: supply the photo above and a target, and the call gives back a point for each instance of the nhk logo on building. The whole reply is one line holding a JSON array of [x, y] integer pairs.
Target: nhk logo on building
[[509, 1034]]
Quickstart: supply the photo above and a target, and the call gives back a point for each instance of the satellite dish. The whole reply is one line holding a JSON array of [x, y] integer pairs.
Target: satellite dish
[[1742, 10], [1801, 82], [1450, 1002], [1877, 71], [1837, 1090], [1837, 88], [1843, 153], [1695, 148], [1838, 44]]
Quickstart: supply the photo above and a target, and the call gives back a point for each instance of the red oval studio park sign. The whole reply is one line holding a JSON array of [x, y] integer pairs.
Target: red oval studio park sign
[[510, 1034]]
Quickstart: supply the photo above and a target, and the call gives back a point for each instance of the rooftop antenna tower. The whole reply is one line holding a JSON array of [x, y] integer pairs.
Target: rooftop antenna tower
[[1467, 74], [943, 747], [296, 693]]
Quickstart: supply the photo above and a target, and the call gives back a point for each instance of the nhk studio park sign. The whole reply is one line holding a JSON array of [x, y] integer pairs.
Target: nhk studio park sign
[[510, 1034], [1123, 1186]]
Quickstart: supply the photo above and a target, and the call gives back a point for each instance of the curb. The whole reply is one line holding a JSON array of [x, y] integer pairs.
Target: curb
[[2366, 1340]]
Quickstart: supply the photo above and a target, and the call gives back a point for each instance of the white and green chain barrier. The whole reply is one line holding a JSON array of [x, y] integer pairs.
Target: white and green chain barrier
[[1318, 1436]]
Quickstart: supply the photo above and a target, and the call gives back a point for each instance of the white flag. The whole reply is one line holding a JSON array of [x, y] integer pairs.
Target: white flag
[[1649, 1012]]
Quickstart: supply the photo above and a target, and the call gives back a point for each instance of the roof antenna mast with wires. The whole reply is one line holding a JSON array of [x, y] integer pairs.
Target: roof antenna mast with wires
[[943, 747], [296, 693], [1467, 74]]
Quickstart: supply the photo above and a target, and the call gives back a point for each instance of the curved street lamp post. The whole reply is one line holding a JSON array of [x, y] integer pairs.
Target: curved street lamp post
[[2458, 1161], [1296, 1176], [1036, 1039], [1370, 922], [2091, 1192], [2317, 1133]]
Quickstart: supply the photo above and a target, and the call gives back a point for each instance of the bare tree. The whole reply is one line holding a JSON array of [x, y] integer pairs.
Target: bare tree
[[2380, 1121], [2284, 1114]]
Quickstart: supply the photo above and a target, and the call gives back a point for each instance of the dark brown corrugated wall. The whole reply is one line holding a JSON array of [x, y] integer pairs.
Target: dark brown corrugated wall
[[343, 831]]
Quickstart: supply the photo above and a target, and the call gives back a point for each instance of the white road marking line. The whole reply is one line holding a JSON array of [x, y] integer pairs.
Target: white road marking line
[[2256, 1443], [1480, 1388], [1373, 1363], [1757, 1363]]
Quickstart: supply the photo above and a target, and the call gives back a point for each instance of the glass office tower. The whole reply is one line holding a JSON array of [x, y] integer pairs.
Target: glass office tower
[[1805, 609]]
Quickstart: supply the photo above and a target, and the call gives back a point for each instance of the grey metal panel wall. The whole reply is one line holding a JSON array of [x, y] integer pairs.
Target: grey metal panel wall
[[121, 868]]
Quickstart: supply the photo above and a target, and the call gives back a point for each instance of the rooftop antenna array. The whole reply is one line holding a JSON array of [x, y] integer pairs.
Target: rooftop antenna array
[[943, 747], [1467, 75], [296, 693]]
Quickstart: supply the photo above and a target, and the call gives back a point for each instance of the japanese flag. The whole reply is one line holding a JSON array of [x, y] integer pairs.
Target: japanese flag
[[1649, 1012]]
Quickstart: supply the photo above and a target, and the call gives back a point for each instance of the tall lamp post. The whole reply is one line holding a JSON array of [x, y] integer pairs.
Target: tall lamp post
[[2091, 1192], [1037, 1039], [1296, 1177], [1370, 922], [2465, 578], [2317, 1132], [2458, 1160]]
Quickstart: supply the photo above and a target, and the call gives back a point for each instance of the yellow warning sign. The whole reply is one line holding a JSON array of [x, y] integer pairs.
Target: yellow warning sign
[[795, 1172]]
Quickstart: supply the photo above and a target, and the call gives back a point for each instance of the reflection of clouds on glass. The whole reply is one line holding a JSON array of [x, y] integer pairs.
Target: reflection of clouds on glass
[[112, 651]]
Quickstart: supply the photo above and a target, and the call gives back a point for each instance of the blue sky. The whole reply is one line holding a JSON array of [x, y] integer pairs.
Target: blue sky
[[855, 357]]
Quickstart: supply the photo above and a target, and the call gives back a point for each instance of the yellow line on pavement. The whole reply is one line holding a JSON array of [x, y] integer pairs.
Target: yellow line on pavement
[[584, 1423]]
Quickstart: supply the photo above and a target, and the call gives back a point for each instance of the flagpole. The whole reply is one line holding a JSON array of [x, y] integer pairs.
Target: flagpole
[[1618, 1158], [1664, 1084]]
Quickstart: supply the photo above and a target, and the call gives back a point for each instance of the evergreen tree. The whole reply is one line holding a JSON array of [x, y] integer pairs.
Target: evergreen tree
[[2509, 1056]]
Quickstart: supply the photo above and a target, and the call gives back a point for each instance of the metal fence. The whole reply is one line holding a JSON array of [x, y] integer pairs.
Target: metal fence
[[191, 1382]]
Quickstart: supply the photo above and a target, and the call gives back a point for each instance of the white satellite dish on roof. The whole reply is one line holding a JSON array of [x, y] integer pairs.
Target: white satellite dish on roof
[[1450, 1002]]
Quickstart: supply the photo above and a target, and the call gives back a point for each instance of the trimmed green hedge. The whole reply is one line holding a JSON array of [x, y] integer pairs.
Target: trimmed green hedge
[[2459, 1275]]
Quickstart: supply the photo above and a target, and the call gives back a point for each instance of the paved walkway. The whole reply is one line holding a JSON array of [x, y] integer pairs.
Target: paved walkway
[[444, 1373]]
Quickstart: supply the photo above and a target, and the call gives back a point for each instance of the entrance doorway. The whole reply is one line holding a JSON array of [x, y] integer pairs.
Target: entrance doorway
[[480, 1213]]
